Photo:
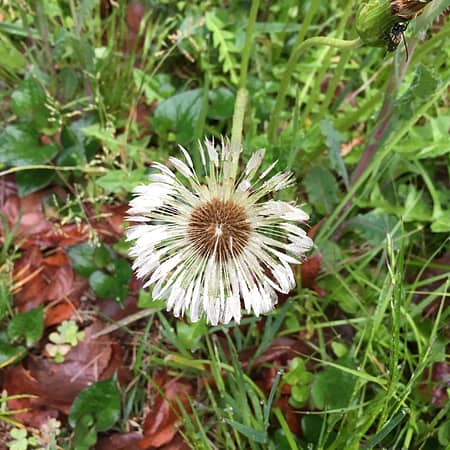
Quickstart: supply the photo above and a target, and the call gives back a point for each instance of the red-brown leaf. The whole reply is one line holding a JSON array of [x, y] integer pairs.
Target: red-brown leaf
[[120, 441], [56, 385], [160, 425]]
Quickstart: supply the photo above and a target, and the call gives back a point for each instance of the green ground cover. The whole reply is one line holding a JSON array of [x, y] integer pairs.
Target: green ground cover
[[356, 357]]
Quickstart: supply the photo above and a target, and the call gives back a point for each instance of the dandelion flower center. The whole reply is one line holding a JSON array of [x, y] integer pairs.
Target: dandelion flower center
[[220, 228]]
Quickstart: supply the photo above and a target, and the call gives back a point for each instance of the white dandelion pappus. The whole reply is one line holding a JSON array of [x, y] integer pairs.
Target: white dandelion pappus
[[205, 246]]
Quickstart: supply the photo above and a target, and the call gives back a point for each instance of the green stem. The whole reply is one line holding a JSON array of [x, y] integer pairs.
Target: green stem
[[242, 94], [248, 44], [55, 168], [297, 51]]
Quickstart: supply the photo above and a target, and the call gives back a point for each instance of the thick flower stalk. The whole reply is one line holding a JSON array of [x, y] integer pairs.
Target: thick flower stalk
[[209, 248]]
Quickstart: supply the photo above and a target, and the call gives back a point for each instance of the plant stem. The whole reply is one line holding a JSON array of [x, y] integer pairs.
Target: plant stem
[[297, 51], [248, 44], [242, 94]]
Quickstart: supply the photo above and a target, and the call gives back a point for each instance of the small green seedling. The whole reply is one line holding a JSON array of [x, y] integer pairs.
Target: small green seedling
[[298, 377], [66, 337], [20, 439]]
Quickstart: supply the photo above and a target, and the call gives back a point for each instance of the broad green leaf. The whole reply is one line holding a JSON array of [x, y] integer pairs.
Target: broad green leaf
[[82, 258], [102, 256], [332, 388], [221, 103], [102, 284], [322, 189], [28, 102], [179, 114], [299, 395], [20, 145], [29, 325], [29, 181], [122, 275], [119, 180], [282, 442], [74, 135], [72, 156], [101, 402]]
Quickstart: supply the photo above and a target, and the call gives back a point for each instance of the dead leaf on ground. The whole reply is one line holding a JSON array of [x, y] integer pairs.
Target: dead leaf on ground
[[42, 279], [28, 210], [120, 441], [54, 385], [160, 425]]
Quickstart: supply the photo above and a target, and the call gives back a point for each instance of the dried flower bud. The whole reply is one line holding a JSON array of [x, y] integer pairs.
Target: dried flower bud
[[381, 23], [408, 9]]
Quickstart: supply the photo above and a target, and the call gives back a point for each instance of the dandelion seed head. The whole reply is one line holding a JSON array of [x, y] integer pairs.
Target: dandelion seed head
[[209, 248]]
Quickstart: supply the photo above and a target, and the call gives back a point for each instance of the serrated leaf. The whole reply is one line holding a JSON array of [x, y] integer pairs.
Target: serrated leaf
[[373, 227], [224, 41], [20, 146], [28, 325], [322, 189], [423, 85], [427, 141]]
